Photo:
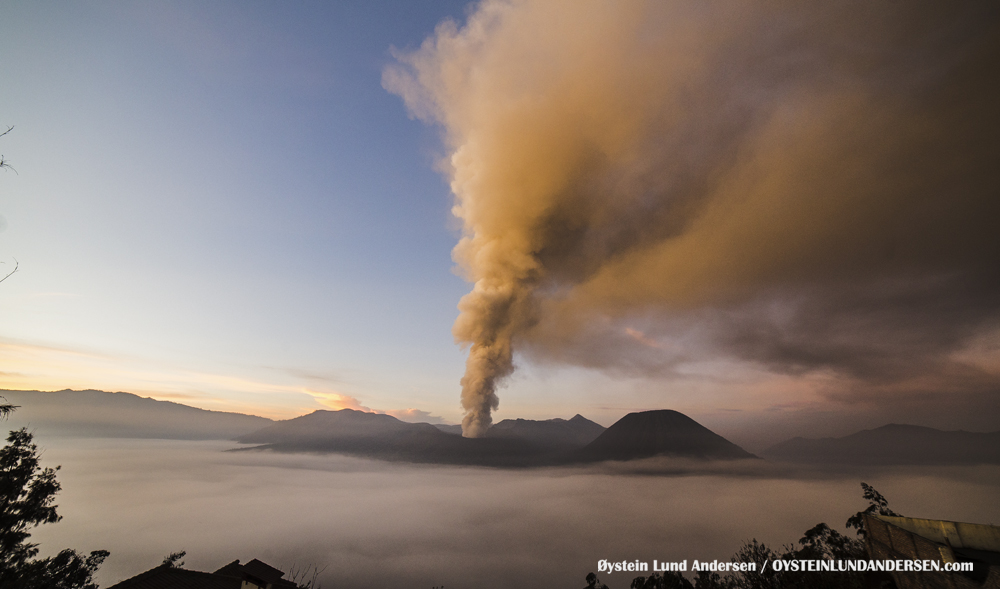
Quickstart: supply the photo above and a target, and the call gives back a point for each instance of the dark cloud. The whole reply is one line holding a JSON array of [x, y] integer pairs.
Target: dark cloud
[[811, 187]]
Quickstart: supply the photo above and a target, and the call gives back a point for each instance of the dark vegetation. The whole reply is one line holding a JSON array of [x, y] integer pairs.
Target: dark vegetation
[[27, 499], [819, 542], [174, 559], [877, 505]]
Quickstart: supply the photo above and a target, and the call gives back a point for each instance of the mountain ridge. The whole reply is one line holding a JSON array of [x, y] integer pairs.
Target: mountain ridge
[[893, 443], [509, 443], [93, 413]]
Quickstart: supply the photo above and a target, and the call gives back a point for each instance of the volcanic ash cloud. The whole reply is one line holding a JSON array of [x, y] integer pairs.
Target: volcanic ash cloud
[[627, 158]]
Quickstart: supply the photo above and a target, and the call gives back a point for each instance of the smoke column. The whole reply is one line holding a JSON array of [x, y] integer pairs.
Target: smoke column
[[614, 159]]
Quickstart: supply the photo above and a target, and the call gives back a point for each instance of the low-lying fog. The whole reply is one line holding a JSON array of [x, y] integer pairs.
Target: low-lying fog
[[375, 524]]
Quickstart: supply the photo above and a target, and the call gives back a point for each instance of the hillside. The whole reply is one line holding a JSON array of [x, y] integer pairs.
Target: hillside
[[893, 444], [656, 433], [520, 444], [122, 415], [509, 443], [550, 433]]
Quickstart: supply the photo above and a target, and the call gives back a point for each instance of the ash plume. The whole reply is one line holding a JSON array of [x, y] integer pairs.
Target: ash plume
[[721, 170]]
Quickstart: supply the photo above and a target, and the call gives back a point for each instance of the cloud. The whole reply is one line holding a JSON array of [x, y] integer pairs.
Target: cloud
[[47, 367], [337, 401], [429, 526], [416, 416], [319, 377], [808, 187]]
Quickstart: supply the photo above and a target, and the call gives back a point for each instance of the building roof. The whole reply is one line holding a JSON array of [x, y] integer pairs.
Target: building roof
[[909, 538], [230, 576], [264, 572], [233, 569], [167, 577], [954, 534]]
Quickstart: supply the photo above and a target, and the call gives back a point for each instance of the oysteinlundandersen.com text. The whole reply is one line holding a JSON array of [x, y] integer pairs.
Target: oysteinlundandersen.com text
[[916, 566]]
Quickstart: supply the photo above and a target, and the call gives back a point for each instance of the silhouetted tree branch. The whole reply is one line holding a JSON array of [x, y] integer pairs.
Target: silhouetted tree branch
[[307, 578], [6, 408], [16, 264], [3, 162]]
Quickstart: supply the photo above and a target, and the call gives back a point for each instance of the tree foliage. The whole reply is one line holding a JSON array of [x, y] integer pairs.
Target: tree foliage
[[758, 552], [66, 570], [667, 580], [174, 559], [27, 495], [6, 408], [877, 505], [594, 583], [27, 499]]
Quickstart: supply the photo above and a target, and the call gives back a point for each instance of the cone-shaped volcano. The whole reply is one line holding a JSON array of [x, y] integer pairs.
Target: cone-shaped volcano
[[651, 433]]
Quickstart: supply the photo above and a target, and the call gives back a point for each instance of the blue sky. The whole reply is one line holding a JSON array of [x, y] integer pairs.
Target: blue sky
[[225, 189]]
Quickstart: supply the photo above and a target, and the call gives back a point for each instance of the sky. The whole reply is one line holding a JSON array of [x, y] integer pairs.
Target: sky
[[221, 205], [777, 219]]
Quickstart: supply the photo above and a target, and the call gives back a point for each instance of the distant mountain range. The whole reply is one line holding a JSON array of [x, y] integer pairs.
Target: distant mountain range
[[893, 444], [515, 443], [509, 443], [122, 415], [553, 433]]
